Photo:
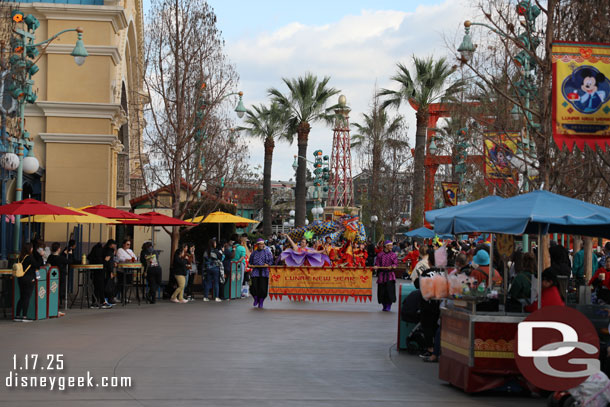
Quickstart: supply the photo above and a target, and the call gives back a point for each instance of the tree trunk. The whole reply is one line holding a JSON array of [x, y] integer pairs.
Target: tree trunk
[[588, 260], [300, 193], [267, 226], [417, 214], [375, 171]]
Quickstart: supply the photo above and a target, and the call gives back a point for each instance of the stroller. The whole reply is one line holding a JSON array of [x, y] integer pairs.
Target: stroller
[[410, 315]]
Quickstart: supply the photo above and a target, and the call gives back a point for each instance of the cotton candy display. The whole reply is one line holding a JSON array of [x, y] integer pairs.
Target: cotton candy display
[[441, 288], [456, 284], [440, 257], [426, 285]]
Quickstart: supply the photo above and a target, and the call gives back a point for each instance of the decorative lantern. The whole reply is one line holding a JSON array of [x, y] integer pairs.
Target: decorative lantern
[[9, 161], [30, 165]]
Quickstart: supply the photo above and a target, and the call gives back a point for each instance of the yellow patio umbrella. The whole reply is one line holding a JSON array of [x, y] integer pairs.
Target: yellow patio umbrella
[[85, 218], [221, 217]]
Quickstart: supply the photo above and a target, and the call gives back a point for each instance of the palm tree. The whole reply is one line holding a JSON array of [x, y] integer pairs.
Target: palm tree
[[431, 84], [268, 124], [306, 102], [372, 138]]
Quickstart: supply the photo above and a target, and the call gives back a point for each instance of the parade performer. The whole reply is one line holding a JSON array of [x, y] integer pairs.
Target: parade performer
[[303, 256], [385, 263], [261, 256], [360, 255]]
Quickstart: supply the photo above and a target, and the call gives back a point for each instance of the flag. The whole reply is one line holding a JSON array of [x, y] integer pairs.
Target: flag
[[450, 192], [500, 152], [581, 94]]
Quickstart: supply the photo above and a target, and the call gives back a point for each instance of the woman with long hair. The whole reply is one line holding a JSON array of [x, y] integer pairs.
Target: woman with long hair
[[179, 264], [27, 282]]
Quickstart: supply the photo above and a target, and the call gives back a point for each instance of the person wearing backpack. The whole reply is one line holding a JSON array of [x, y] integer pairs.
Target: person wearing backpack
[[27, 281], [150, 260], [212, 259]]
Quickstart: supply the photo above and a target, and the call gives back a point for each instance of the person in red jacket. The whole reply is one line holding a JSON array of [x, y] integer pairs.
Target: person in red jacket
[[601, 282], [550, 292]]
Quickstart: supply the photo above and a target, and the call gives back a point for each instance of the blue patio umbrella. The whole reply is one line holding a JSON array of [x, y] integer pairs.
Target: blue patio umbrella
[[425, 233], [433, 214], [536, 212]]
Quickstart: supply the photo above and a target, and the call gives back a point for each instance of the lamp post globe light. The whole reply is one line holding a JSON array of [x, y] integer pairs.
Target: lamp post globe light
[[295, 164], [374, 220], [22, 65]]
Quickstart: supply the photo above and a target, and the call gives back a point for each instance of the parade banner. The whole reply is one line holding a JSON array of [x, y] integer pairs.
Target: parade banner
[[500, 148], [450, 192], [321, 284], [581, 94]]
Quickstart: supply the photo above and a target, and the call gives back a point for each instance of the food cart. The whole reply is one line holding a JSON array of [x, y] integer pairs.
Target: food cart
[[477, 347]]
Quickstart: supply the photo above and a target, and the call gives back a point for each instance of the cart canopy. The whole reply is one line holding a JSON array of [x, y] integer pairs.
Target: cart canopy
[[535, 212]]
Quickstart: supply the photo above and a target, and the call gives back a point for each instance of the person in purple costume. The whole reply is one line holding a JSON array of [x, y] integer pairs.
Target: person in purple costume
[[385, 263], [261, 256]]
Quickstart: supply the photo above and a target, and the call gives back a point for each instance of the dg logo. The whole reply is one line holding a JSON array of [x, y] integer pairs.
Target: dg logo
[[557, 348]]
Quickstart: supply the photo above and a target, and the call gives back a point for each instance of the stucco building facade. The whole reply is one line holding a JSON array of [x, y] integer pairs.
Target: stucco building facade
[[86, 121]]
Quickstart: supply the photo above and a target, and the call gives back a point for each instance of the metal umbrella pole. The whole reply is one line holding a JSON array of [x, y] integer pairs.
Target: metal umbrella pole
[[540, 266]]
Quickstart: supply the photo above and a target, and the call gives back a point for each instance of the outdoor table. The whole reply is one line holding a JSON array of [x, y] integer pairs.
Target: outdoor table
[[6, 275], [477, 348], [86, 282], [135, 269]]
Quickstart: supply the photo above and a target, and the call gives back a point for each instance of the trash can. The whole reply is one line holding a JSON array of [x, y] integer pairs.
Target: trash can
[[239, 279], [232, 288], [404, 328], [41, 294], [53, 292]]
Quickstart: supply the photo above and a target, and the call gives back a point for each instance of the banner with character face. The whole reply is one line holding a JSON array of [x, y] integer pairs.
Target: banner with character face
[[500, 151], [581, 94]]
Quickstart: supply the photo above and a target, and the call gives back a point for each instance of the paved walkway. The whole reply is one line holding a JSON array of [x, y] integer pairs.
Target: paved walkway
[[228, 354]]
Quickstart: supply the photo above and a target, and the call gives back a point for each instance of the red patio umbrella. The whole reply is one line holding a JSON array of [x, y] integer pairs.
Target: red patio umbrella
[[33, 207], [156, 219], [110, 212]]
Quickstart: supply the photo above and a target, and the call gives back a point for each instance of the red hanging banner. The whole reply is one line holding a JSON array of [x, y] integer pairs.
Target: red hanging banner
[[450, 192], [500, 150], [581, 94]]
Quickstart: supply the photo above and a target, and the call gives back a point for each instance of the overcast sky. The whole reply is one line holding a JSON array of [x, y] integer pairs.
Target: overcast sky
[[356, 42]]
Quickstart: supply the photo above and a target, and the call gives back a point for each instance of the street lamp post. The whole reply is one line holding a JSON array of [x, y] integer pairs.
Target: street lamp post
[[321, 177], [374, 220], [526, 86], [24, 55]]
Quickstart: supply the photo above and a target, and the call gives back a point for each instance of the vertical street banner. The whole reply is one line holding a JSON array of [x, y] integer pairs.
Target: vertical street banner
[[581, 94], [450, 192], [500, 150], [331, 284]]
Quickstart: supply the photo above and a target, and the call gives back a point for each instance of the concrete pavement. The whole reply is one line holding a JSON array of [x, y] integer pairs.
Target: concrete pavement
[[229, 354]]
